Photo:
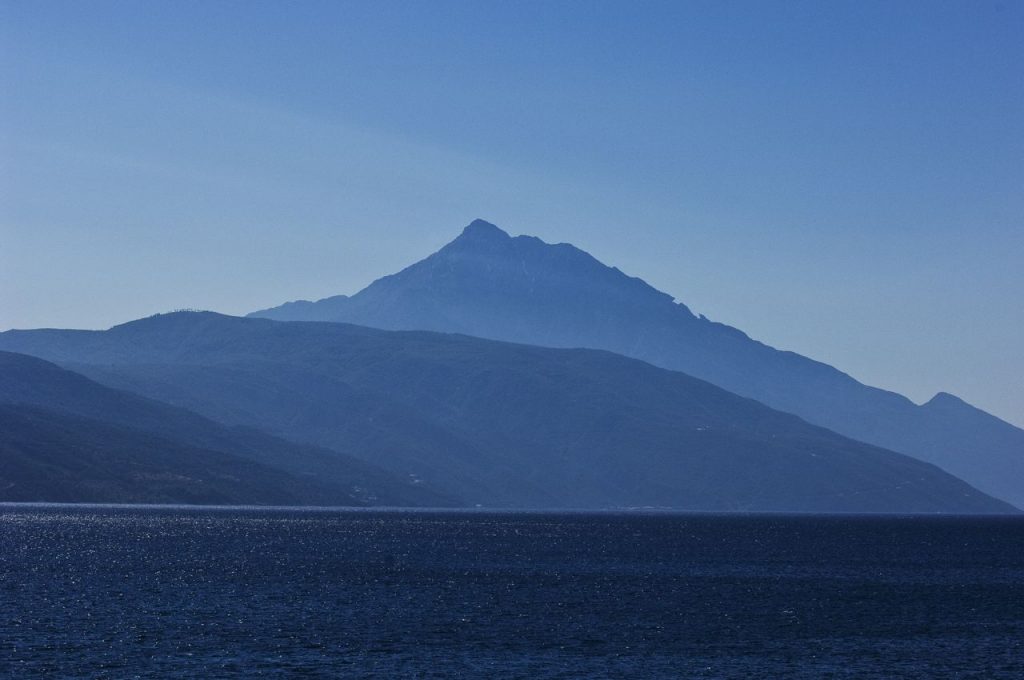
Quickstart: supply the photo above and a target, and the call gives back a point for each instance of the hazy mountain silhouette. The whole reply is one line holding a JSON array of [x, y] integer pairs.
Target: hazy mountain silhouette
[[64, 437], [502, 424], [488, 284]]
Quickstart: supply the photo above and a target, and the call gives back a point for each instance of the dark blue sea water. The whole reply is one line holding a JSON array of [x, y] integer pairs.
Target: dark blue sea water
[[201, 592]]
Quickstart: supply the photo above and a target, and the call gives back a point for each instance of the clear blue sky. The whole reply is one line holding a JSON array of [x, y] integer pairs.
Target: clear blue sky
[[845, 180]]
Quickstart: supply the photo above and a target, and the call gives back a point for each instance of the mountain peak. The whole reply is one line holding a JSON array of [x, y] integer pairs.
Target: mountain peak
[[481, 229], [946, 399]]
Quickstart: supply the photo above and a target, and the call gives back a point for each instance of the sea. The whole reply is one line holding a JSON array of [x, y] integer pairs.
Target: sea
[[204, 592]]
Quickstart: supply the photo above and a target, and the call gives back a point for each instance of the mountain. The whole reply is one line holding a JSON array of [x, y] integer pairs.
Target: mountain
[[64, 437], [488, 284], [501, 424], [53, 456]]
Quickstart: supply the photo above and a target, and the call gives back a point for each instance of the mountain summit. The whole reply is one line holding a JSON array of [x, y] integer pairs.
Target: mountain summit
[[521, 289], [492, 285], [481, 229]]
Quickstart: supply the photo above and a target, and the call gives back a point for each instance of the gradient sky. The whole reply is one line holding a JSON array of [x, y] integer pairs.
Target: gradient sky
[[845, 180]]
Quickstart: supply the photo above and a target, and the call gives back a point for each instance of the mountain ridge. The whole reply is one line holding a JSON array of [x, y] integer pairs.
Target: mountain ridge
[[103, 429], [503, 424]]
